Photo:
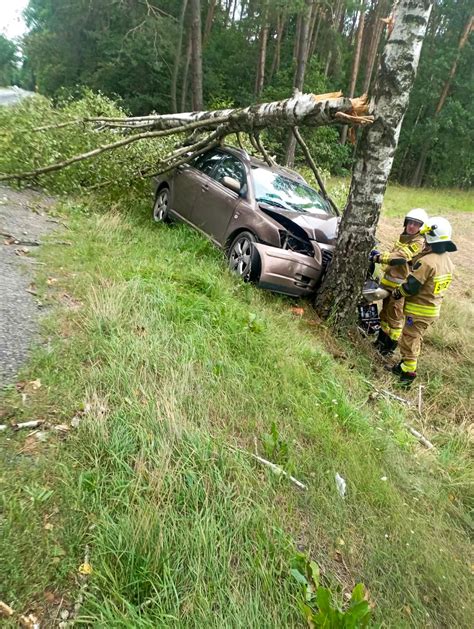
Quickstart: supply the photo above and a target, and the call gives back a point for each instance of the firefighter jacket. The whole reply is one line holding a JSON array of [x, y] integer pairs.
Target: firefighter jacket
[[426, 284], [397, 260]]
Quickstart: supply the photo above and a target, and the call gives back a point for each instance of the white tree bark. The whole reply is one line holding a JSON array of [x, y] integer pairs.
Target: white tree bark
[[303, 109], [374, 157]]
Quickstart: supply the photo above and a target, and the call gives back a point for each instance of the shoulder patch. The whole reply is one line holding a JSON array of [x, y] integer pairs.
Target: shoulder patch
[[417, 265]]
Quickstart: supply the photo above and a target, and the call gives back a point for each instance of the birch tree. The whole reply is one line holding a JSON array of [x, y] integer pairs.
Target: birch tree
[[343, 282]]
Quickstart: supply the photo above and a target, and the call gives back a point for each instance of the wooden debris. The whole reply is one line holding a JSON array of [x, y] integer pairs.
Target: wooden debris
[[5, 610], [422, 439], [273, 466], [29, 622], [420, 397], [31, 424]]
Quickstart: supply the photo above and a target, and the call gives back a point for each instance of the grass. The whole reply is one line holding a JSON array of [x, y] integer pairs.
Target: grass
[[399, 199], [174, 368]]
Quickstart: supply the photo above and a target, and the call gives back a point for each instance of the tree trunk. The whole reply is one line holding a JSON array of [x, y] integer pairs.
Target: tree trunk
[[356, 62], [376, 32], [277, 53], [262, 53], [177, 60], [343, 282], [209, 19], [196, 54], [298, 81], [462, 42], [296, 44], [184, 90]]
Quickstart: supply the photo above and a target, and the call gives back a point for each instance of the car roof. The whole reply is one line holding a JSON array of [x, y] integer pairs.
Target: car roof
[[259, 163]]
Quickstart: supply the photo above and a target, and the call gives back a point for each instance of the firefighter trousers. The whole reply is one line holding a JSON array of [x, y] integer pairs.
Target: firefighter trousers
[[392, 317], [411, 340]]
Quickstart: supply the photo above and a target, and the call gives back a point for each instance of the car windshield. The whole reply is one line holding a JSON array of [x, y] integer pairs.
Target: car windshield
[[283, 192]]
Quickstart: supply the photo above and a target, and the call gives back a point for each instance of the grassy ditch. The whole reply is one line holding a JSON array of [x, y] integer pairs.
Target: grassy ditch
[[175, 370]]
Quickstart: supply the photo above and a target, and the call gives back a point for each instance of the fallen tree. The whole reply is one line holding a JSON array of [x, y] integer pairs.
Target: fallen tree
[[205, 129]]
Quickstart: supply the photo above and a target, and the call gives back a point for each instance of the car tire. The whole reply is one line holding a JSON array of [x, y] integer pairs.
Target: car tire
[[244, 259], [161, 206]]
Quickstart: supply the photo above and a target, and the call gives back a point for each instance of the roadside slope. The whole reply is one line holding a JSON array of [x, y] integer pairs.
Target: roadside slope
[[172, 368]]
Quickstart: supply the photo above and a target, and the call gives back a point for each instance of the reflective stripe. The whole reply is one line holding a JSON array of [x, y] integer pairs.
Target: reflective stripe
[[420, 309], [393, 283], [395, 333], [385, 327], [441, 283], [408, 366]]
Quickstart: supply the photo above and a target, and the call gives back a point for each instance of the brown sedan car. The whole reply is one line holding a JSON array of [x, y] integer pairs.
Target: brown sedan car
[[275, 229]]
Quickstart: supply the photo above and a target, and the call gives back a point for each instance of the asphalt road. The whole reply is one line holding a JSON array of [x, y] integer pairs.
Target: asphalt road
[[23, 215]]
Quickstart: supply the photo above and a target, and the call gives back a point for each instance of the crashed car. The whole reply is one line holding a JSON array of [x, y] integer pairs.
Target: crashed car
[[274, 228]]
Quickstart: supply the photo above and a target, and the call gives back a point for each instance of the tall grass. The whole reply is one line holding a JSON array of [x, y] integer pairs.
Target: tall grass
[[177, 369]]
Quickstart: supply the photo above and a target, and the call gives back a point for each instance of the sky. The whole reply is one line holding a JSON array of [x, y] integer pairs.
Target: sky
[[11, 21]]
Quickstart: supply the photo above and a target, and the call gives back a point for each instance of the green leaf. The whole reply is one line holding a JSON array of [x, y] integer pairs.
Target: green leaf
[[358, 593], [323, 599], [296, 574]]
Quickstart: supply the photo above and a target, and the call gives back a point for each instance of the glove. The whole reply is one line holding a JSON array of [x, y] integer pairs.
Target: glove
[[396, 294], [374, 255]]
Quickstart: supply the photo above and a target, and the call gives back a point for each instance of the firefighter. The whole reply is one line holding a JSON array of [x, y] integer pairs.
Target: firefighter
[[396, 268], [423, 292]]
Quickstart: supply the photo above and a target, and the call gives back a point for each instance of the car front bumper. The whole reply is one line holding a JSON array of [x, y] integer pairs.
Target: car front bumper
[[288, 272]]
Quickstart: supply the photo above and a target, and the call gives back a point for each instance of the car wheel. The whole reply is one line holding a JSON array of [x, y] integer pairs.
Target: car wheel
[[161, 206], [243, 257]]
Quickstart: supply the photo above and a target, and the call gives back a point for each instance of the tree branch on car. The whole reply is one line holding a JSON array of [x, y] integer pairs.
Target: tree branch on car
[[302, 109]]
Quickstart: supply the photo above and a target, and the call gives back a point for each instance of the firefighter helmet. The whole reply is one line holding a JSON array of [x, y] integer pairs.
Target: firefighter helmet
[[417, 214], [437, 229]]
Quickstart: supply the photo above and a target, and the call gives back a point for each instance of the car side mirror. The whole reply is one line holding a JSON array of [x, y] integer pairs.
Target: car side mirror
[[231, 183]]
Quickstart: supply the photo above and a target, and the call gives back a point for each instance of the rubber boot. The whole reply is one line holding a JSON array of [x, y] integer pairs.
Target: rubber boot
[[389, 347], [406, 377], [382, 341]]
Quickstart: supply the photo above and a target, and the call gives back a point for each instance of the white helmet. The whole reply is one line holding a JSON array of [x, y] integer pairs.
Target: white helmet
[[438, 229], [417, 214]]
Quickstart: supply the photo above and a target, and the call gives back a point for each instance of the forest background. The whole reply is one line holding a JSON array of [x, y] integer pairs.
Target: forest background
[[178, 55]]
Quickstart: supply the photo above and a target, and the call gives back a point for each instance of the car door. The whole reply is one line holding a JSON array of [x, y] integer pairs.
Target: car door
[[214, 206], [187, 182]]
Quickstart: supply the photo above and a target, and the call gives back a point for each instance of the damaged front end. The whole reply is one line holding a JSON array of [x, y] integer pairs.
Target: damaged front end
[[296, 267]]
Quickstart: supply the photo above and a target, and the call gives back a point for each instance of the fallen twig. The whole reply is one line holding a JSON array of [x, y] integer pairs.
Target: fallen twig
[[396, 397], [273, 466], [5, 610], [13, 240], [419, 436], [420, 397], [31, 424]]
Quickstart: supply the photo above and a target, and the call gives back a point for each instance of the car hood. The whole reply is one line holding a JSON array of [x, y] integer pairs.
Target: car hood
[[322, 228]]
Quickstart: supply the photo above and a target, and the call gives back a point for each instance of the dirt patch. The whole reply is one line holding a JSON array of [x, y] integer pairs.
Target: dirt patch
[[463, 235], [23, 221]]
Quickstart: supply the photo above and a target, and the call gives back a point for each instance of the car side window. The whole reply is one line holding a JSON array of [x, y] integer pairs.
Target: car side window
[[206, 162], [230, 166]]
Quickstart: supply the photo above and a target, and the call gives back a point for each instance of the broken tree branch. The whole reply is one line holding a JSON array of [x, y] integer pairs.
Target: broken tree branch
[[268, 159], [273, 466], [302, 109], [312, 165], [422, 439]]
